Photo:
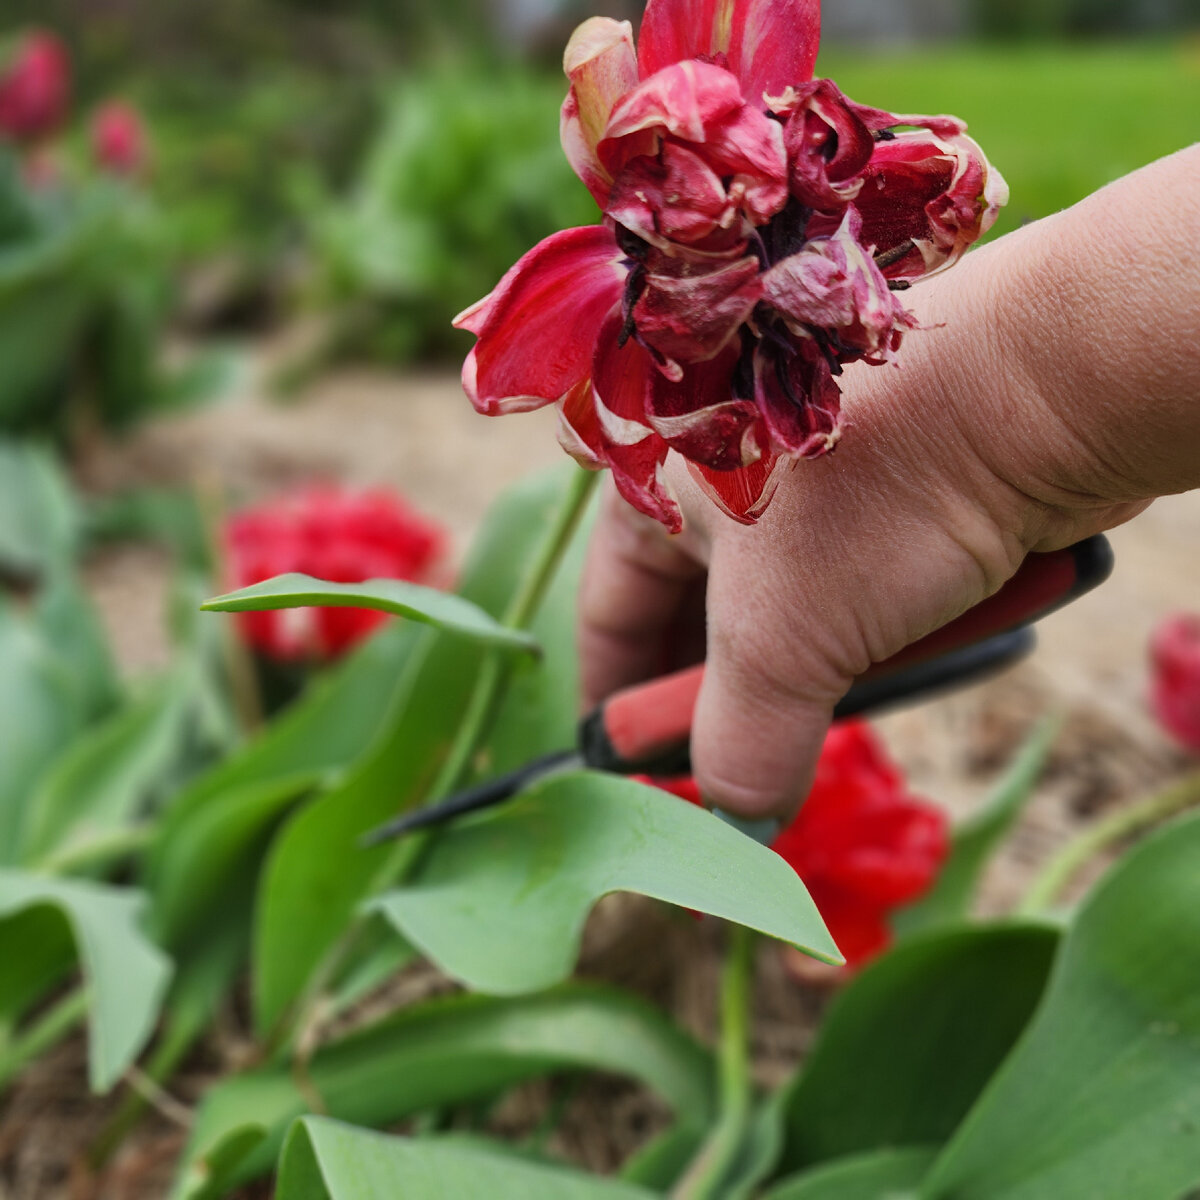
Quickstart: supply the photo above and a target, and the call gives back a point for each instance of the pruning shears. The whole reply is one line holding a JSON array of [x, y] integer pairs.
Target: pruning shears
[[646, 729]]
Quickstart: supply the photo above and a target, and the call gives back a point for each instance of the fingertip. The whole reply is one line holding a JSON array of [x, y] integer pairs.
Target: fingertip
[[756, 741]]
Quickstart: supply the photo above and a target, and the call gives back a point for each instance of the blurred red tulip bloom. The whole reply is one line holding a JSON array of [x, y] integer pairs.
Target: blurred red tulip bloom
[[1175, 688], [332, 534], [35, 89], [118, 137], [862, 844]]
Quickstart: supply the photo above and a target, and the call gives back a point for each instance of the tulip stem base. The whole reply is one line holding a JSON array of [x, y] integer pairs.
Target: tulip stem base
[[707, 1177]]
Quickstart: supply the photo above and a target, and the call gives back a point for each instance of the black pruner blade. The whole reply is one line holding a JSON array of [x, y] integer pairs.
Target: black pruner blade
[[602, 743]]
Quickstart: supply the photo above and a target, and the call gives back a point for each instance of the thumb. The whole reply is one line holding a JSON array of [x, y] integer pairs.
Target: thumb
[[763, 711]]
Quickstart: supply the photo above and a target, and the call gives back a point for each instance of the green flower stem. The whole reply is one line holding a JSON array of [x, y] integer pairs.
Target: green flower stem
[[1106, 834], [480, 712], [706, 1178], [100, 851], [45, 1032]]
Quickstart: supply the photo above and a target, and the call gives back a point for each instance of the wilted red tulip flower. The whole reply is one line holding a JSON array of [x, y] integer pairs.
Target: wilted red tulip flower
[[118, 138], [1175, 689], [862, 844], [332, 534], [35, 88], [757, 227]]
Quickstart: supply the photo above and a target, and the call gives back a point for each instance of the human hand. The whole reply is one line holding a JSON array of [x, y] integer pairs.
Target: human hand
[[929, 505]]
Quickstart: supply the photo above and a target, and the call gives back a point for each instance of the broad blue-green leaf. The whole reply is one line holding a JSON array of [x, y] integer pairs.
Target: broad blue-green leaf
[[38, 521], [317, 874], [443, 610], [109, 772], [1101, 1098], [40, 713], [977, 838], [324, 1160], [65, 618], [125, 974], [914, 1039], [308, 745], [452, 1051], [206, 869], [876, 1175], [500, 900]]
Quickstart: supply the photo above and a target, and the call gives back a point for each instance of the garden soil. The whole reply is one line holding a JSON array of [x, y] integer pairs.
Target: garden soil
[[419, 434]]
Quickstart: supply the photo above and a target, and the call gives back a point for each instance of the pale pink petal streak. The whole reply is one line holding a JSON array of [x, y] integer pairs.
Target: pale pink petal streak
[[635, 453], [600, 63], [772, 43], [768, 44], [673, 31], [537, 329]]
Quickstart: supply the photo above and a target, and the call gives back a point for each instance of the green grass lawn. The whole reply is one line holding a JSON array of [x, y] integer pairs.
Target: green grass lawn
[[1059, 121]]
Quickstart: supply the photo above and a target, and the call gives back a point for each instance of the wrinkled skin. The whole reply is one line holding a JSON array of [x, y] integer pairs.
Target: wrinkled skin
[[1013, 426], [758, 230]]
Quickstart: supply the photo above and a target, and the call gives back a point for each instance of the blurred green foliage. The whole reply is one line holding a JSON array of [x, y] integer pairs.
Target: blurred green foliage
[[82, 292], [464, 176], [1057, 18], [1058, 120]]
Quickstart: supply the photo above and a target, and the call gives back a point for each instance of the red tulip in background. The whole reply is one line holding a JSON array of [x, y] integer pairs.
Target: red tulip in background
[[118, 138], [758, 225], [862, 844], [34, 89], [1175, 688], [332, 534]]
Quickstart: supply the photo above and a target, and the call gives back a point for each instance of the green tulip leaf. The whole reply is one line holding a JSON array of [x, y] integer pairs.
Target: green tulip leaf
[[41, 712], [451, 1051], [125, 975], [317, 874], [324, 1160], [443, 610], [39, 525], [876, 1175], [1100, 1100], [107, 775], [215, 832], [500, 899], [909, 1045]]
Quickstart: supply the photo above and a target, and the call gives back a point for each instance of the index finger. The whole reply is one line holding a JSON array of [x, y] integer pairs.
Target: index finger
[[639, 585]]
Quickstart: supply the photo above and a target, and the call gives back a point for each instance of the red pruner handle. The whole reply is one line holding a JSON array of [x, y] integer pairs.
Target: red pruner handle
[[647, 728]]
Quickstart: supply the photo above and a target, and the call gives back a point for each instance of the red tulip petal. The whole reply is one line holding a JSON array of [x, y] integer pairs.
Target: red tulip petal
[[768, 44], [579, 432], [938, 192], [622, 379], [743, 494], [799, 400], [699, 417], [683, 99], [859, 928], [537, 329], [692, 318]]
